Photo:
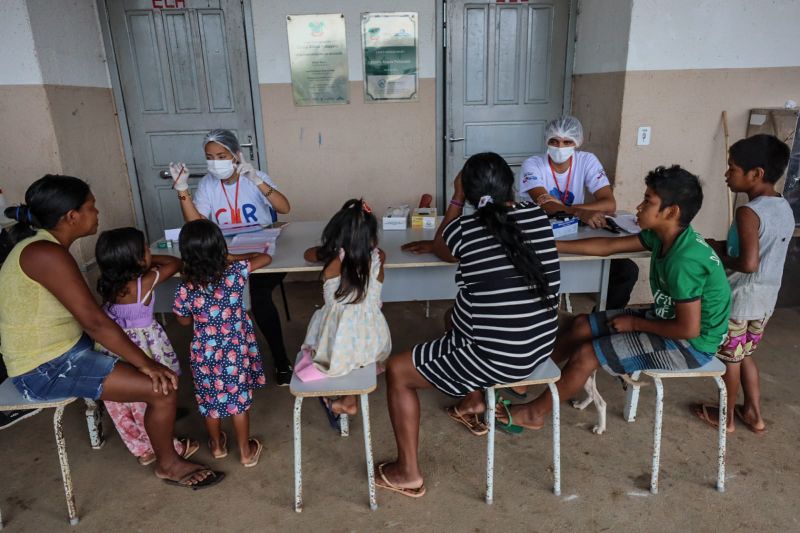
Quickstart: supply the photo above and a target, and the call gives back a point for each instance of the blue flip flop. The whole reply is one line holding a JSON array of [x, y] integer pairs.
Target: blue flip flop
[[333, 418]]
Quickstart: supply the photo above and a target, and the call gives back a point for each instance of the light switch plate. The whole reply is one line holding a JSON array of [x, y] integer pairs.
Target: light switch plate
[[643, 136]]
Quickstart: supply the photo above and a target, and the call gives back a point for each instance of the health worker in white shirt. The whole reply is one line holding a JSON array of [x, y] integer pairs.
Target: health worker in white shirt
[[559, 180], [225, 198]]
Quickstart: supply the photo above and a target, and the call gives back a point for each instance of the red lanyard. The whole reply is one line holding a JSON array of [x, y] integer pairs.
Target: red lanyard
[[565, 192], [236, 217]]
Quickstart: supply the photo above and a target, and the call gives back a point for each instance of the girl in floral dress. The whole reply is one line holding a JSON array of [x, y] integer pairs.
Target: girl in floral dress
[[225, 360], [128, 275]]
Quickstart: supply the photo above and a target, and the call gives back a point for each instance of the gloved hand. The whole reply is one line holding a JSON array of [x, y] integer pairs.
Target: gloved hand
[[248, 171], [180, 176]]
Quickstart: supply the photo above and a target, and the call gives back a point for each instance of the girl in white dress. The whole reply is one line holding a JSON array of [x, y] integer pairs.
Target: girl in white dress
[[349, 331]]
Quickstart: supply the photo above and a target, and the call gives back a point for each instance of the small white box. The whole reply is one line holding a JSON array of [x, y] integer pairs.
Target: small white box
[[396, 218], [564, 227], [424, 218]]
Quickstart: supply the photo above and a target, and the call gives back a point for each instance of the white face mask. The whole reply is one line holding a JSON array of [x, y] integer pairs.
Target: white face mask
[[221, 169], [560, 155]]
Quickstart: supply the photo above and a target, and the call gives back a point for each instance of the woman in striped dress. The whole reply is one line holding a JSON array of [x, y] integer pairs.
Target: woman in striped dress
[[504, 321]]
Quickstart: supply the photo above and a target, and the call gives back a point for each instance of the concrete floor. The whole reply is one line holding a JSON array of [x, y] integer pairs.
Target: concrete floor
[[605, 478]]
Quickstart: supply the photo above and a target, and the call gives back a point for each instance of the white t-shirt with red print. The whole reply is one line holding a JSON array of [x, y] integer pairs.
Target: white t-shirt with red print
[[214, 204], [587, 174]]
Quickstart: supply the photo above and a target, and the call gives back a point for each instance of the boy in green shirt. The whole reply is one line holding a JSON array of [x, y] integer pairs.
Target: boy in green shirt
[[692, 299]]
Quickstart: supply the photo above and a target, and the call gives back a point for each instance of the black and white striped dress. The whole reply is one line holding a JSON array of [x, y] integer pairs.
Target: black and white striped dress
[[501, 330]]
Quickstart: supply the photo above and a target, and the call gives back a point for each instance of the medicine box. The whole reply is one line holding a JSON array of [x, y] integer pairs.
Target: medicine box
[[564, 227], [396, 218], [424, 218]]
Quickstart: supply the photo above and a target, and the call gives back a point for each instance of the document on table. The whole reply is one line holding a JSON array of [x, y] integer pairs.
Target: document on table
[[627, 222], [263, 240]]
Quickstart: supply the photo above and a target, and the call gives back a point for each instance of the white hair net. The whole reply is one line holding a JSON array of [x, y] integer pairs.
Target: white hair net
[[224, 137], [566, 127]]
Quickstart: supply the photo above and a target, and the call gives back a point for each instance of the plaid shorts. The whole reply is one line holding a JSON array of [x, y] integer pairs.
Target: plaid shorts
[[625, 353], [742, 339]]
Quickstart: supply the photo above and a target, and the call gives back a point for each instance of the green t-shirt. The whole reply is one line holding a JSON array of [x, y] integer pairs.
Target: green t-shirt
[[690, 271]]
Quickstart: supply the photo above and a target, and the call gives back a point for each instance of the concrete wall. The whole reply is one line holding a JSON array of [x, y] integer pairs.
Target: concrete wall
[[675, 65], [56, 107], [322, 155]]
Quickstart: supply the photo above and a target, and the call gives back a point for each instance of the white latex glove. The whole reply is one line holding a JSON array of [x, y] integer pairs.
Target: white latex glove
[[248, 171], [180, 176]]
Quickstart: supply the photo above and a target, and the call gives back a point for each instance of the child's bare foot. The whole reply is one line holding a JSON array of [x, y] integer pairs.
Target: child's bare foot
[[345, 405], [710, 415], [251, 452], [147, 459], [219, 447], [751, 419]]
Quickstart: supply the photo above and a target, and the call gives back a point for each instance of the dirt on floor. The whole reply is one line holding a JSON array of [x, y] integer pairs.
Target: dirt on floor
[[605, 478]]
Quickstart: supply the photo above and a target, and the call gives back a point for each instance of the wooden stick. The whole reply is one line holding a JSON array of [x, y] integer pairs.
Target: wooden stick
[[727, 136]]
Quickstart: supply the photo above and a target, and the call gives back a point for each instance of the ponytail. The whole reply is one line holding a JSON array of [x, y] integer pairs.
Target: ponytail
[[47, 200], [489, 184], [494, 217]]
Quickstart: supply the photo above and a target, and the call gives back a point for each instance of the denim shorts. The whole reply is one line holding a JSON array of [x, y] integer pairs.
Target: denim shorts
[[77, 373]]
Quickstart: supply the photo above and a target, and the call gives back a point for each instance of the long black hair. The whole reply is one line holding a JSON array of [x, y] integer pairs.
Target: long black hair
[[120, 255], [203, 251], [488, 174], [47, 200], [353, 229]]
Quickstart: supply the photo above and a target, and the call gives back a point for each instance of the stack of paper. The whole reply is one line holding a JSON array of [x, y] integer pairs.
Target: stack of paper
[[260, 240], [627, 222]]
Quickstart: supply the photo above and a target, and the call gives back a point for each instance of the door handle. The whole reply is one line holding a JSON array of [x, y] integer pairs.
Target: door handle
[[165, 175], [455, 139], [248, 145]]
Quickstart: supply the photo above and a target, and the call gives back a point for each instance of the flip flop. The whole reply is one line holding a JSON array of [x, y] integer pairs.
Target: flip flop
[[190, 447], [146, 460], [224, 452], [333, 418], [254, 459], [508, 427], [418, 492], [185, 481], [471, 421], [700, 410], [738, 410]]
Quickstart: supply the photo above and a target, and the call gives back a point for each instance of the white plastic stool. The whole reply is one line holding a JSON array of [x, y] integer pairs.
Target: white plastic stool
[[546, 373], [359, 382], [713, 369], [12, 400]]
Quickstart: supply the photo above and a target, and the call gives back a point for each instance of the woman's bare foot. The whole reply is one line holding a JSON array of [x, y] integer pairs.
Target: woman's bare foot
[[521, 415], [472, 404], [186, 471], [392, 474], [345, 405]]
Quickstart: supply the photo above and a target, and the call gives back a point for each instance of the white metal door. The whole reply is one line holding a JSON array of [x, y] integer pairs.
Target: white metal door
[[506, 68], [183, 70]]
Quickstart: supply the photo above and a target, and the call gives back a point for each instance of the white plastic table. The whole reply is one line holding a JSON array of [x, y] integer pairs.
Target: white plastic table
[[424, 277]]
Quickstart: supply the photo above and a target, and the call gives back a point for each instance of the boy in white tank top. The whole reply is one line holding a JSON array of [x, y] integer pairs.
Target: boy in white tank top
[[753, 256]]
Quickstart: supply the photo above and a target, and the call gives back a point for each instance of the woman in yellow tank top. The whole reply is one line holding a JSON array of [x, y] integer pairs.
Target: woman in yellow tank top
[[49, 320]]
